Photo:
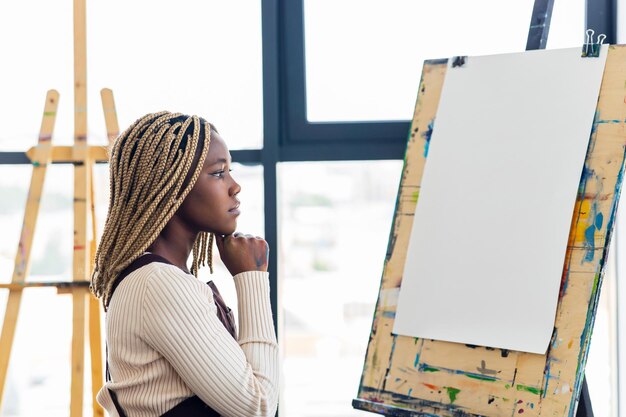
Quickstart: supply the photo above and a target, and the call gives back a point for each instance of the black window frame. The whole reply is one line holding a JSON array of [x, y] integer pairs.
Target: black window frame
[[302, 139]]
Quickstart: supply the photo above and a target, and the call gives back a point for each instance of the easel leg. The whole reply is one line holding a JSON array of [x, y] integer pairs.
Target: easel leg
[[81, 268], [8, 334], [95, 342], [79, 298], [95, 345], [42, 157], [584, 402]]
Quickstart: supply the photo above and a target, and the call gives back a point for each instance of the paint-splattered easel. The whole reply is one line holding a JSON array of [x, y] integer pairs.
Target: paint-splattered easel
[[86, 309], [405, 376]]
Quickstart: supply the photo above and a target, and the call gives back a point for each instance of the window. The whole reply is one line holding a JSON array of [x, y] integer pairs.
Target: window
[[335, 222], [199, 58], [364, 58]]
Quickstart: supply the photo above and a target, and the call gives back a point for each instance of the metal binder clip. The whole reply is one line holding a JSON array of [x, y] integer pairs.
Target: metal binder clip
[[459, 61], [591, 49]]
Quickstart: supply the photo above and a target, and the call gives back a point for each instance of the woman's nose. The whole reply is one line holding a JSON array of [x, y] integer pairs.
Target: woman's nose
[[235, 189]]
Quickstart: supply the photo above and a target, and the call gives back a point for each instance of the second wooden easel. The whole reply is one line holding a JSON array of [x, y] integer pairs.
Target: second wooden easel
[[86, 308]]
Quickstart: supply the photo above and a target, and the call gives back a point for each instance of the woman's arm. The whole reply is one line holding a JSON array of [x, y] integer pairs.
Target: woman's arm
[[180, 321]]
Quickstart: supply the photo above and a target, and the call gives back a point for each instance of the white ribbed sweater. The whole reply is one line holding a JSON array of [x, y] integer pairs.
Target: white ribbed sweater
[[166, 344]]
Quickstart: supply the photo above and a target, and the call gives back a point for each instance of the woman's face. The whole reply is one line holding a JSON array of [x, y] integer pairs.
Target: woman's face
[[212, 204]]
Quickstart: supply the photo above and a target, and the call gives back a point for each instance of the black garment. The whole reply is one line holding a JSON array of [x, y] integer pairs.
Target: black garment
[[584, 401], [192, 406]]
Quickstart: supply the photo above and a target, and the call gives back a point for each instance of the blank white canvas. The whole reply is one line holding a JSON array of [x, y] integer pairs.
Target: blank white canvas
[[488, 243]]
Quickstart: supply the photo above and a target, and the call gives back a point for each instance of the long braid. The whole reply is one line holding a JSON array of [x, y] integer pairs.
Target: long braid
[[203, 252], [210, 251], [151, 172]]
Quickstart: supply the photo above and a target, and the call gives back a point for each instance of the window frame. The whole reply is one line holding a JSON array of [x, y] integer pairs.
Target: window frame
[[304, 140]]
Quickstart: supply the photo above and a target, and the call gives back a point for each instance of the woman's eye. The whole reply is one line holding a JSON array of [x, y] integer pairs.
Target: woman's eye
[[220, 173]]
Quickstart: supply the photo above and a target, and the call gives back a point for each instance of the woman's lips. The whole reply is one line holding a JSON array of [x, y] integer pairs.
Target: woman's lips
[[235, 210]]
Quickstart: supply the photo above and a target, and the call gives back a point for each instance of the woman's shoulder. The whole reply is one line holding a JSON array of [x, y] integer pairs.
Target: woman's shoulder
[[161, 277]]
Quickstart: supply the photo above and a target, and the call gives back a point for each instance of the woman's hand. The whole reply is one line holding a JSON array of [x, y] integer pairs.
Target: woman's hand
[[241, 253]]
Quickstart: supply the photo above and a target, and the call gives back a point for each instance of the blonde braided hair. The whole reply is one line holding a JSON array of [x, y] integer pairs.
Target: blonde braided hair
[[151, 172]]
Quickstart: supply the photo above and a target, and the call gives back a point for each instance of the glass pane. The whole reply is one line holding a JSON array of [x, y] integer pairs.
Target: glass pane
[[364, 58], [567, 27], [199, 58], [621, 21], [334, 227], [45, 317]]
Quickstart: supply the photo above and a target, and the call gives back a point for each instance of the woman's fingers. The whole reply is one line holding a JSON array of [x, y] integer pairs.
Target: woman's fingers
[[243, 252]]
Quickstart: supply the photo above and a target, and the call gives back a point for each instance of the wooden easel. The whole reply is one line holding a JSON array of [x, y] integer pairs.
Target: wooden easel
[[407, 376], [86, 308]]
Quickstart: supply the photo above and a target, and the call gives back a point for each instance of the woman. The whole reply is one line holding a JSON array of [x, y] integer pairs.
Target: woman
[[173, 347]]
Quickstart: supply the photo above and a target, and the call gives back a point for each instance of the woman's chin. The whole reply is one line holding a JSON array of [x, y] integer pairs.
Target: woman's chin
[[228, 230]]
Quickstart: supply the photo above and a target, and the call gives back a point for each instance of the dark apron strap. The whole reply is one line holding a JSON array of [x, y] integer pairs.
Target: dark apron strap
[[192, 406], [224, 313]]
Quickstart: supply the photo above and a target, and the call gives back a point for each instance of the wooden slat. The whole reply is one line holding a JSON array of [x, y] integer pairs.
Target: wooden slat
[[66, 154], [79, 323], [81, 207], [95, 344], [18, 286], [80, 72], [95, 340], [110, 114], [22, 259], [110, 117]]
